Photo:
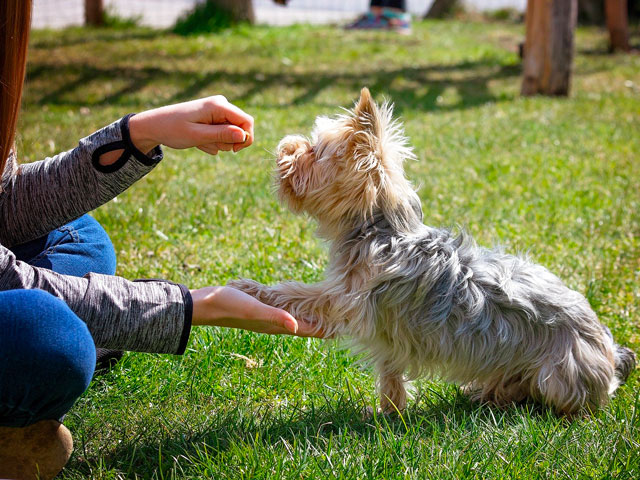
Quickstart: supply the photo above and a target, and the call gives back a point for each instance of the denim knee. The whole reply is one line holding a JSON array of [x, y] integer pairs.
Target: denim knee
[[100, 249], [47, 357], [77, 248]]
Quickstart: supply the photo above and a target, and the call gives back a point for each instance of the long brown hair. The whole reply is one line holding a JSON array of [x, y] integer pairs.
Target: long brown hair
[[15, 19]]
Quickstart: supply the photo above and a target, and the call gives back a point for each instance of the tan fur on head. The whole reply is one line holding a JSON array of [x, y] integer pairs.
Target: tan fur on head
[[354, 167], [295, 172], [420, 301]]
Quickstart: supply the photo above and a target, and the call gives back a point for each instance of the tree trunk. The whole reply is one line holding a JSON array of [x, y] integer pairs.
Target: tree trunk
[[548, 48], [440, 8], [93, 12], [241, 10], [617, 24]]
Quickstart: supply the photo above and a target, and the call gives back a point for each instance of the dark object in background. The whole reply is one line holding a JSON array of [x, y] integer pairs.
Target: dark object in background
[[93, 12], [617, 14], [441, 8], [240, 10], [205, 17], [106, 359], [592, 12], [548, 49], [397, 4]]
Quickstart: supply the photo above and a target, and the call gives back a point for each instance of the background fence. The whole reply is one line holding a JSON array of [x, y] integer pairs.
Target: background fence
[[163, 13]]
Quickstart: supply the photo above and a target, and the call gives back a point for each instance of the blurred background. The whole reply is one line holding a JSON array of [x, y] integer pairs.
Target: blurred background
[[164, 13]]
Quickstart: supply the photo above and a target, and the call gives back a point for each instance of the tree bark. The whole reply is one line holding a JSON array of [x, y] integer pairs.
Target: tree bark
[[548, 48], [241, 10], [440, 8], [93, 12], [617, 24]]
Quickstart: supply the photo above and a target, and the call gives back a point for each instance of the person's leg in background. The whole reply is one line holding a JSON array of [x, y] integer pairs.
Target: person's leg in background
[[385, 14], [395, 4], [47, 359], [394, 14], [77, 248]]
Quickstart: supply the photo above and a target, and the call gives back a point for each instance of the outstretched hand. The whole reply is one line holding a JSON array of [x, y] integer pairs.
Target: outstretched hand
[[211, 124], [228, 307]]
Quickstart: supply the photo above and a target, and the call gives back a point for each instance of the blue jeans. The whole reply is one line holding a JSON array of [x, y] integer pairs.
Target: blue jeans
[[47, 355]]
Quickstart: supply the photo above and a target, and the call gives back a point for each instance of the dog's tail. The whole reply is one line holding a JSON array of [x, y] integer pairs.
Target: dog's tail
[[624, 362]]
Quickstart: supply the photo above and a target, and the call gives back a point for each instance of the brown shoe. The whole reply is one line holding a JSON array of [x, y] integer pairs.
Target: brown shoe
[[38, 451]]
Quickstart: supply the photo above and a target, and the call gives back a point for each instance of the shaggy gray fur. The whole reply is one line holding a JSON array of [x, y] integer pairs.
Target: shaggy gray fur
[[475, 311]]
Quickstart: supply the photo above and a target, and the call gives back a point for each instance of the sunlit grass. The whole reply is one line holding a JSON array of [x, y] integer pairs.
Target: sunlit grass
[[557, 178]]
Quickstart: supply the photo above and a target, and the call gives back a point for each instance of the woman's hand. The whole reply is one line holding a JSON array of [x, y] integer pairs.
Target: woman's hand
[[228, 307], [211, 124]]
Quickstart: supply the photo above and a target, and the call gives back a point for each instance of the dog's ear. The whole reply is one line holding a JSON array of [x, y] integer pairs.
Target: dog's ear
[[379, 149], [367, 113], [365, 105]]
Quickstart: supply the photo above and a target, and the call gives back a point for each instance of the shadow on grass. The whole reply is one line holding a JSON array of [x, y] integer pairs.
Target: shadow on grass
[[83, 35], [603, 49], [315, 427], [410, 87]]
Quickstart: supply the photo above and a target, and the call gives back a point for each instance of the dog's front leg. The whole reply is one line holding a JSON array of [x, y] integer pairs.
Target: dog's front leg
[[393, 394], [303, 301]]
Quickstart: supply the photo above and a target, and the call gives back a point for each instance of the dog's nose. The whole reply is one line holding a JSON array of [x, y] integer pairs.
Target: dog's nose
[[287, 149]]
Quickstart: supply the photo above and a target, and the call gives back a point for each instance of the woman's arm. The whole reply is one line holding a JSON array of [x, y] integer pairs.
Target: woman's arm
[[148, 316], [44, 195]]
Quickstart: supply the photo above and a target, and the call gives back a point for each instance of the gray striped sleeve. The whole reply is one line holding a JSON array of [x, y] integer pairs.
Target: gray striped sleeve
[[146, 316], [40, 196]]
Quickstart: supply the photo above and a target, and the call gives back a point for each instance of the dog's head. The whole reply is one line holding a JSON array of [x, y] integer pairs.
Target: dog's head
[[350, 169]]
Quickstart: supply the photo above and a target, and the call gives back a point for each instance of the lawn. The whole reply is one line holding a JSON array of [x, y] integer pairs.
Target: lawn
[[557, 178]]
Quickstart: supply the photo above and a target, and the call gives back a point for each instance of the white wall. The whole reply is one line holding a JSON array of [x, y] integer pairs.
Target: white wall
[[163, 13], [487, 5]]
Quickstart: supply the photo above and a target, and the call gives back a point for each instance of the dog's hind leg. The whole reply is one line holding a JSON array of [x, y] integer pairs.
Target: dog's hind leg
[[497, 391], [580, 381]]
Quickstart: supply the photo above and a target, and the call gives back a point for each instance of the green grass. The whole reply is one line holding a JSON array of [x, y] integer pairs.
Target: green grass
[[557, 178]]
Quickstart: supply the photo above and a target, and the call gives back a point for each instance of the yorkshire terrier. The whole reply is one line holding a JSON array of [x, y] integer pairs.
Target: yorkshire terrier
[[422, 301]]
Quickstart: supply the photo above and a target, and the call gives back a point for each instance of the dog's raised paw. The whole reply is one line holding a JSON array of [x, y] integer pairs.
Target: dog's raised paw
[[245, 285]]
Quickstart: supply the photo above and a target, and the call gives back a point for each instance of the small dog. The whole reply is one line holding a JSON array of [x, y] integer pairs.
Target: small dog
[[421, 301]]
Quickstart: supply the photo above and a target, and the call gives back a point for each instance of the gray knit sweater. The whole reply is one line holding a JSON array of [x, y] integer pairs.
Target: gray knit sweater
[[35, 198]]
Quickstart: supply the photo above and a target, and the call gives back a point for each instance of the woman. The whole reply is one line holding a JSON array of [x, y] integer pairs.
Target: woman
[[59, 298]]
